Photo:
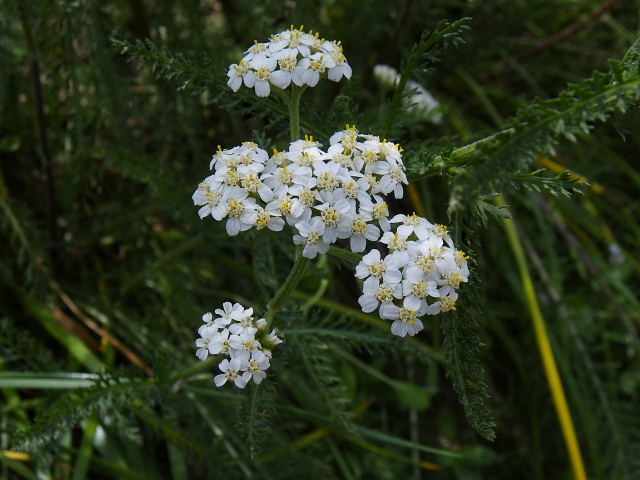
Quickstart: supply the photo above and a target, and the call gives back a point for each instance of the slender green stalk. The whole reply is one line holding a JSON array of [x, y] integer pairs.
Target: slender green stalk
[[345, 254], [294, 112], [289, 285], [546, 351], [301, 263]]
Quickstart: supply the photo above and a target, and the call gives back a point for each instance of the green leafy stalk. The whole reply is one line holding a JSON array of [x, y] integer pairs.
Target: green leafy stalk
[[289, 285], [444, 33], [294, 112]]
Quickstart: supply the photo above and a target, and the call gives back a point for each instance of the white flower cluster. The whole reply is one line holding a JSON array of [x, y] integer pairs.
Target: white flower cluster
[[289, 56], [422, 266], [419, 100], [325, 195], [235, 333]]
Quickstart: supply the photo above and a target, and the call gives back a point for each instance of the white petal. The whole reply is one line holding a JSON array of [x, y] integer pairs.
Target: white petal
[[220, 380], [389, 311], [358, 243], [281, 79], [399, 328], [368, 303], [250, 79], [412, 303], [310, 251], [233, 226], [276, 224], [262, 88], [392, 276], [234, 83]]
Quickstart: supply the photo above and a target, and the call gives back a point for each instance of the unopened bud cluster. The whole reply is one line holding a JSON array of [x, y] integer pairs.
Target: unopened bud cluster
[[235, 334]]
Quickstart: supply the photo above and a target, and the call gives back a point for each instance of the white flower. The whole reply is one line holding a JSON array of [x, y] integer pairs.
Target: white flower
[[375, 293], [257, 365], [393, 177], [406, 321], [240, 210], [243, 323], [341, 68], [209, 327], [245, 340], [307, 196], [274, 338], [335, 213], [291, 207], [444, 304], [379, 211], [347, 137], [263, 67], [311, 236], [237, 73], [359, 231], [228, 313], [418, 225], [287, 176], [373, 265], [327, 176], [203, 345], [416, 287], [211, 195], [355, 187], [398, 244], [291, 56], [220, 343], [442, 232], [268, 217], [234, 371], [287, 61]]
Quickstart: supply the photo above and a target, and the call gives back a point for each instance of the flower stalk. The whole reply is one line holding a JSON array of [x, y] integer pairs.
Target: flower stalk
[[294, 112], [290, 284]]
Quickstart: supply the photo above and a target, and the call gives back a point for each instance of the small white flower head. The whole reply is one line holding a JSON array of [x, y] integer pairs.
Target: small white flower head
[[203, 345], [257, 366], [235, 371], [228, 313], [336, 213], [398, 244], [358, 231], [405, 318], [373, 265], [210, 196], [242, 338], [419, 276], [291, 56], [375, 293], [418, 225], [311, 235]]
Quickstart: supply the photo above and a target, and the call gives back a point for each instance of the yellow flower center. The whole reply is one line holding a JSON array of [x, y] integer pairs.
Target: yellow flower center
[[236, 207]]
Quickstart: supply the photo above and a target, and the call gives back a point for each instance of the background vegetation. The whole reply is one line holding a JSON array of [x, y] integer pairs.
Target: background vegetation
[[110, 113]]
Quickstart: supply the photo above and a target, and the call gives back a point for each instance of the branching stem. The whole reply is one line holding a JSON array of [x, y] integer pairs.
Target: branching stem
[[289, 285]]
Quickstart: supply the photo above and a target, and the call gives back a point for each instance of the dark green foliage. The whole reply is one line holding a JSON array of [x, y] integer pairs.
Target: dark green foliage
[[462, 345]]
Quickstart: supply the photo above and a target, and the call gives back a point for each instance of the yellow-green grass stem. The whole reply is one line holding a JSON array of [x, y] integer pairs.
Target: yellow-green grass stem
[[544, 346]]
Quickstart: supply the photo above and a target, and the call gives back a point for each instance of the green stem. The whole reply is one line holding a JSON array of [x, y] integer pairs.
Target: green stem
[[289, 285], [345, 254], [294, 112]]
